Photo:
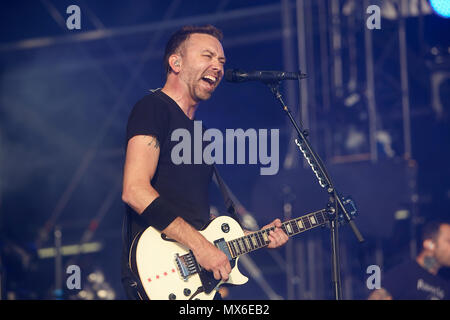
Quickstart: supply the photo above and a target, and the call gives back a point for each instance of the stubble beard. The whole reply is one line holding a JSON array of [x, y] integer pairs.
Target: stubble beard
[[199, 93], [196, 91]]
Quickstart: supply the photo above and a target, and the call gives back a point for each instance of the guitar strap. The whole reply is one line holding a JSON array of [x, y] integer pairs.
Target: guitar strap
[[226, 194]]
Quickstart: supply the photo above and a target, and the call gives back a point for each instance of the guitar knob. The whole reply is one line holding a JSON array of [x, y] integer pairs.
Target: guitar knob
[[225, 227], [172, 296], [187, 292]]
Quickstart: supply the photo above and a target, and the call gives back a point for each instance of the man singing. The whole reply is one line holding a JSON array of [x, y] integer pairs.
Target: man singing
[[174, 198]]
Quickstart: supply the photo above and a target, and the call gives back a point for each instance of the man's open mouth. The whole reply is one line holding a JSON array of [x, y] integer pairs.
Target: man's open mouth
[[210, 79]]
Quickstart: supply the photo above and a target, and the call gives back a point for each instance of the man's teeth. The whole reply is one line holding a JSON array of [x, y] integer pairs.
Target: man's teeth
[[211, 78]]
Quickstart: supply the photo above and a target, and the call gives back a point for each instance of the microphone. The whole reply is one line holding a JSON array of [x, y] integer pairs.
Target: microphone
[[236, 75]]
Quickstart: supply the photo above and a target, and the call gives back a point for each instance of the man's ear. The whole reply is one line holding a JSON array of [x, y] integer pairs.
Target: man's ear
[[175, 63], [428, 244]]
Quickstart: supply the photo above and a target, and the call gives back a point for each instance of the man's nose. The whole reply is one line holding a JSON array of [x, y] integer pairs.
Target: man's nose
[[218, 67]]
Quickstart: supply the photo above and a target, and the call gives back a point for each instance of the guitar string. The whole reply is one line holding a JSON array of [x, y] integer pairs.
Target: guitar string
[[241, 247]]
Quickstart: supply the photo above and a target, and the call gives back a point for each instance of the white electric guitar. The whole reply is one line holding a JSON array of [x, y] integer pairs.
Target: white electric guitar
[[168, 270]]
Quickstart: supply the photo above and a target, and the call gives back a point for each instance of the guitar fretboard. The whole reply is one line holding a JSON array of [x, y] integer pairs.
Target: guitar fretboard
[[260, 239]]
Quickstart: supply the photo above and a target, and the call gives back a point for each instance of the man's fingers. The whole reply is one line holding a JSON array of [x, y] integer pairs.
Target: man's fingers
[[281, 234], [222, 271], [221, 274], [274, 223], [224, 275], [277, 237], [217, 263], [277, 223], [217, 275], [228, 268]]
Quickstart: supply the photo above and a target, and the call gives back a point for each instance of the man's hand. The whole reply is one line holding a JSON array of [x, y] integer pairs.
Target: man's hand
[[214, 260], [277, 237], [206, 254]]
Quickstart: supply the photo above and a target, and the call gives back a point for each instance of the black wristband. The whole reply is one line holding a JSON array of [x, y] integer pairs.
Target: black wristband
[[159, 214]]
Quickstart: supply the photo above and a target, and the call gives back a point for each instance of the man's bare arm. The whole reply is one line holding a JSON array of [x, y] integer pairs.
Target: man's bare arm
[[140, 166]]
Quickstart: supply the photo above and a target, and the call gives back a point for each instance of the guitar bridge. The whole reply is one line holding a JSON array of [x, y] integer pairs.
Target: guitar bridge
[[186, 264]]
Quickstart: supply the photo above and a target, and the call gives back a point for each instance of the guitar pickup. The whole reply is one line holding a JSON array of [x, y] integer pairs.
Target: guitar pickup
[[222, 245]]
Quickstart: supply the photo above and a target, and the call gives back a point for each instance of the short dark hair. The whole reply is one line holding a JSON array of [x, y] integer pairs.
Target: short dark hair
[[177, 39], [431, 229]]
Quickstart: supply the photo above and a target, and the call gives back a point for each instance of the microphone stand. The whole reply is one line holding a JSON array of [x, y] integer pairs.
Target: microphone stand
[[339, 208]]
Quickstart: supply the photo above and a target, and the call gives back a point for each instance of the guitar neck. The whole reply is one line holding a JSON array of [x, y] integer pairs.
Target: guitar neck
[[260, 239]]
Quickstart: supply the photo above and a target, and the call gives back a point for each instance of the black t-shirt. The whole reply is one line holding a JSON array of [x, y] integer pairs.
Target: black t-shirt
[[409, 281], [184, 185]]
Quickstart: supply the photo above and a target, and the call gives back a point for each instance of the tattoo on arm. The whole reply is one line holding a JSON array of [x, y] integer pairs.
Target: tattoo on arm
[[154, 142]]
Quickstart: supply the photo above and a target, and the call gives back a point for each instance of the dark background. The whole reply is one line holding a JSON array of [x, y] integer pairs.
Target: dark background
[[65, 96]]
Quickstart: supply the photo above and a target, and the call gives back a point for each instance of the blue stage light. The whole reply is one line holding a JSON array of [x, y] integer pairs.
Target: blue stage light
[[441, 7]]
